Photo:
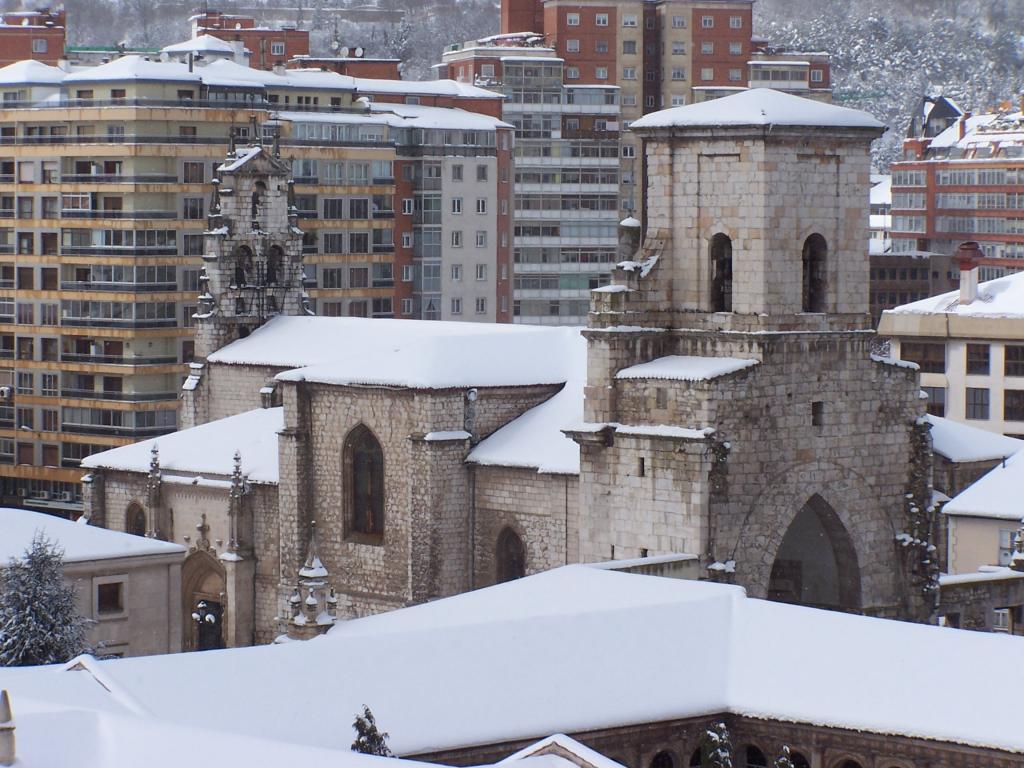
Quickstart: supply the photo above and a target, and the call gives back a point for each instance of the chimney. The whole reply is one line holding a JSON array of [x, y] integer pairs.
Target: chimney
[[962, 124], [968, 256], [6, 730]]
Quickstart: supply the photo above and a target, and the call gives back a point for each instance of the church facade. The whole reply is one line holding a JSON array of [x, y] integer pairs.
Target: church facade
[[723, 404]]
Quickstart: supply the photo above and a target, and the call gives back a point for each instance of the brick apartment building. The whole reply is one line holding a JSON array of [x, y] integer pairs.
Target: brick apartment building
[[267, 46], [38, 35]]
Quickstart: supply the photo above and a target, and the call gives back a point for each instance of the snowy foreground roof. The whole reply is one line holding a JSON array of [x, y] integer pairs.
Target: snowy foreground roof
[[419, 354], [208, 449], [999, 298], [999, 494], [560, 651], [79, 541], [962, 443], [759, 107]]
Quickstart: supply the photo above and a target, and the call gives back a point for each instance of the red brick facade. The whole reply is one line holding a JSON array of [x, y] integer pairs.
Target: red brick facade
[[38, 35]]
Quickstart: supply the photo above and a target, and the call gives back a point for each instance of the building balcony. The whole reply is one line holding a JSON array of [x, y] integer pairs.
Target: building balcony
[[128, 251], [111, 322], [70, 213], [110, 178], [75, 357], [125, 397], [88, 285], [116, 431]]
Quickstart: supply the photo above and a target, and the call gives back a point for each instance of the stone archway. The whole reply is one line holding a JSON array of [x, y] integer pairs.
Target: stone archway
[[204, 602], [816, 563]]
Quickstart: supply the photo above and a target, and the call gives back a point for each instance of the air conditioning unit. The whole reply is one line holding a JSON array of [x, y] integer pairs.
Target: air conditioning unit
[[67, 496], [44, 494], [22, 492], [5, 393]]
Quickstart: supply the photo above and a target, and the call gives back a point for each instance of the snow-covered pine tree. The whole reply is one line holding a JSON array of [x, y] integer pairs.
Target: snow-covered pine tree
[[716, 747], [39, 623], [369, 739], [783, 760]]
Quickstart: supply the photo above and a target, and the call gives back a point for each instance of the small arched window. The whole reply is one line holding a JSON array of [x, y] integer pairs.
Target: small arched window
[[364, 465], [755, 757], [814, 274], [243, 265], [663, 759], [275, 257], [721, 273], [511, 556], [135, 520]]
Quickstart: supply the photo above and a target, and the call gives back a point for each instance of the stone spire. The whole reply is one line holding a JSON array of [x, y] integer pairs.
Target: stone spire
[[239, 488], [313, 604]]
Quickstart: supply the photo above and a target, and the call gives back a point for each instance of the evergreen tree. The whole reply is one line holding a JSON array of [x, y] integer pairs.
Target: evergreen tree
[[39, 623], [716, 747], [783, 760], [369, 739]]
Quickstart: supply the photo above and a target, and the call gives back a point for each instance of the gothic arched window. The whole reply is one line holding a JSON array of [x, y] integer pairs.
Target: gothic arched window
[[663, 760], [814, 276], [511, 556], [275, 258], [135, 520], [364, 474], [721, 273], [243, 265], [755, 757]]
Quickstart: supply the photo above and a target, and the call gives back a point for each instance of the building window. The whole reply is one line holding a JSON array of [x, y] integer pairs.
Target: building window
[[1013, 405], [936, 400], [930, 356], [814, 274], [456, 238], [192, 208], [358, 277], [481, 205], [707, 22], [735, 75], [707, 73], [629, 73], [978, 359], [481, 306], [628, 150], [572, 46], [601, 19], [629, 20], [481, 239], [572, 73], [678, 48], [678, 101], [39, 45], [456, 273], [736, 22], [707, 47], [736, 49], [456, 205], [721, 273], [679, 22], [406, 306], [110, 598], [408, 206], [277, 48], [135, 520], [457, 172], [456, 306], [678, 73], [481, 271], [364, 465], [510, 557], [600, 73], [1013, 364], [817, 76], [1006, 546], [977, 404], [572, 19], [481, 172]]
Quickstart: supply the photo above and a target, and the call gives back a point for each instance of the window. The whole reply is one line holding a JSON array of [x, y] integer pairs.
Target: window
[[481, 172], [601, 19], [408, 206], [629, 20], [364, 468], [930, 356], [572, 73], [628, 150], [977, 404], [601, 73], [135, 520], [39, 45], [978, 359], [192, 208], [25, 383], [1006, 546], [678, 22], [736, 49], [1013, 365], [456, 306], [110, 598], [936, 400], [572, 19], [486, 70], [707, 22], [817, 76], [678, 101], [678, 48], [721, 273], [456, 205], [481, 239], [457, 172], [407, 239], [456, 272], [629, 46], [707, 46], [510, 557], [707, 73], [456, 238], [481, 305], [481, 205], [814, 274], [678, 73], [358, 277], [1013, 405], [481, 271], [406, 306], [48, 385], [359, 208], [193, 172], [629, 73], [572, 46], [736, 22], [277, 48]]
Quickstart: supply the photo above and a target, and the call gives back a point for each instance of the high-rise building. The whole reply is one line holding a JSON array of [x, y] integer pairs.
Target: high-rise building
[[38, 35], [105, 188]]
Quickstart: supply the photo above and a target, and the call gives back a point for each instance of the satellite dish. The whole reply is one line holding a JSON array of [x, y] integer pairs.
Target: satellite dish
[[359, 53], [238, 25], [335, 45], [344, 51]]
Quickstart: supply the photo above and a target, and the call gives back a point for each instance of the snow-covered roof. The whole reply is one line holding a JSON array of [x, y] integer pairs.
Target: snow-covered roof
[[226, 73], [686, 368], [135, 67], [208, 449], [999, 494], [421, 354], [200, 44], [79, 541], [563, 651], [999, 298], [962, 443], [759, 107], [419, 116], [31, 72], [424, 88], [318, 78], [242, 156]]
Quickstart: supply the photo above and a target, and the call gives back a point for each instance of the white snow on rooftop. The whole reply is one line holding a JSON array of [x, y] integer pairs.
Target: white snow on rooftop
[[31, 72], [999, 494], [135, 67], [759, 106], [686, 368], [208, 449], [571, 645], [79, 541], [963, 443], [1002, 298], [409, 353], [423, 88], [418, 116], [200, 44]]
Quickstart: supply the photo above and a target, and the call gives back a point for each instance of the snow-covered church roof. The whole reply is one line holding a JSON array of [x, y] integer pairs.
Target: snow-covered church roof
[[563, 651], [759, 107]]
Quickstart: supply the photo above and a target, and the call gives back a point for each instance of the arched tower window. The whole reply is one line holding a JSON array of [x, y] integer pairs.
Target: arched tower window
[[755, 757], [135, 520], [364, 470], [275, 258], [814, 275], [663, 759], [721, 273], [511, 556], [243, 265]]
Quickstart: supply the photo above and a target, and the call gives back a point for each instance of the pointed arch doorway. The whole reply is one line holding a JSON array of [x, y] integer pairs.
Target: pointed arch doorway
[[203, 602], [816, 564]]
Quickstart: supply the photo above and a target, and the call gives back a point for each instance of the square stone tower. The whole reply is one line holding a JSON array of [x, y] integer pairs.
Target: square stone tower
[[734, 409]]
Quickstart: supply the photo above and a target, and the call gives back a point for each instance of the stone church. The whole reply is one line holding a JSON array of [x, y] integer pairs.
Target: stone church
[[723, 409]]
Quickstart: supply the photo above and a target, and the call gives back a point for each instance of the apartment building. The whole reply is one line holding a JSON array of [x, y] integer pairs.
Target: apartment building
[[961, 178], [105, 177], [568, 173], [38, 35], [267, 46]]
